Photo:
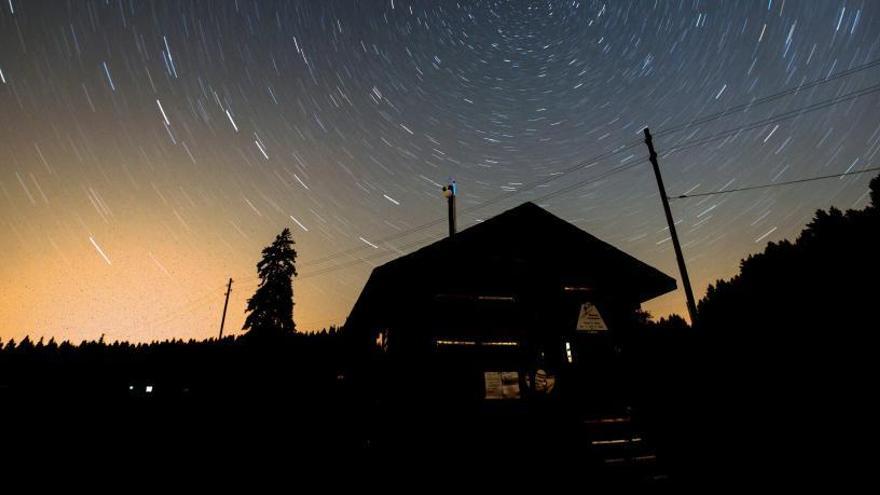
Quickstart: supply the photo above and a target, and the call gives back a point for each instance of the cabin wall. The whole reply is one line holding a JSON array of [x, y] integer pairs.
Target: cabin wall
[[443, 359]]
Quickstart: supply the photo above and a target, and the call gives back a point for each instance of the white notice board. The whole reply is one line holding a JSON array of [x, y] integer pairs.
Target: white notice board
[[502, 385]]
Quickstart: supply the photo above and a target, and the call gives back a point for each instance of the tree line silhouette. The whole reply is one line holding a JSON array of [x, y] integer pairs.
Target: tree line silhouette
[[774, 382]]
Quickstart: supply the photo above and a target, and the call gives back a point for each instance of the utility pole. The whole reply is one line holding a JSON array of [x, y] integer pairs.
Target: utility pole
[[685, 280], [223, 320]]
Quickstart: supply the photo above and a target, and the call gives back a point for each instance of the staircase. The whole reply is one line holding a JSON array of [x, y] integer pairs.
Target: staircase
[[619, 452]]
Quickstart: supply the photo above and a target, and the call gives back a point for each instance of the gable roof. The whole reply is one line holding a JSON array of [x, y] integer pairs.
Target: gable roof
[[525, 241]]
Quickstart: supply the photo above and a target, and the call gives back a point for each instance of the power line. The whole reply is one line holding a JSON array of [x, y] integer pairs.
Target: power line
[[566, 189], [777, 184], [684, 145], [584, 164], [620, 149], [590, 180], [363, 259], [769, 98], [184, 309], [776, 118]]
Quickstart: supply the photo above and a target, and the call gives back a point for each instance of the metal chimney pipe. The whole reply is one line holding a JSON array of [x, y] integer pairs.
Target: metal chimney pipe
[[450, 192]]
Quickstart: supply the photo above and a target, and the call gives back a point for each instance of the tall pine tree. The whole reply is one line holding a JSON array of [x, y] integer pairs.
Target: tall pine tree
[[271, 307]]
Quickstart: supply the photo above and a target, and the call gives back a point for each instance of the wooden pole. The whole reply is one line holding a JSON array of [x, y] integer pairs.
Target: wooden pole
[[685, 280], [223, 320]]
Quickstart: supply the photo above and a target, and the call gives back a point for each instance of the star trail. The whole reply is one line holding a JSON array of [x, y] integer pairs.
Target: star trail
[[150, 150]]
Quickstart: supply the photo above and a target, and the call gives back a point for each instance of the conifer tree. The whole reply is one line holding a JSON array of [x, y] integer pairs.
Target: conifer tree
[[271, 307]]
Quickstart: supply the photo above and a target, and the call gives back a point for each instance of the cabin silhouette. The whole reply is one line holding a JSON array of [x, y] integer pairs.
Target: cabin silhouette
[[521, 306]]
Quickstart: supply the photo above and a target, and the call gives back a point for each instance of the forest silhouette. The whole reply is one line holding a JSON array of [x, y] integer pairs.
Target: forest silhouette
[[773, 380]]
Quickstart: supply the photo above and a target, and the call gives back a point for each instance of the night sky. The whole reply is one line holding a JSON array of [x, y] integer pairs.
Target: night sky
[[149, 151]]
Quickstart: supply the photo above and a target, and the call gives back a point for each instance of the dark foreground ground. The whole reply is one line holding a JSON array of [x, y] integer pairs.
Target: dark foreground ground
[[235, 406], [157, 434], [692, 412]]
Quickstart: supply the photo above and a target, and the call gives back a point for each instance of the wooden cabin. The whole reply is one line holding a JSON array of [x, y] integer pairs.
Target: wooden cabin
[[516, 309]]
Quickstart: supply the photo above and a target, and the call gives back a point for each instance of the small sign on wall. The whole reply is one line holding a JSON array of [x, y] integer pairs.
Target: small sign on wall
[[589, 319]]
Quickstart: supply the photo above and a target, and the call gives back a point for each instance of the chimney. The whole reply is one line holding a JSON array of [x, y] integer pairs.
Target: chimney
[[450, 192]]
